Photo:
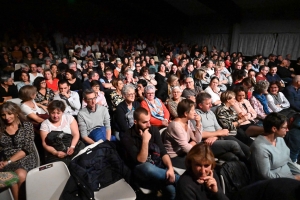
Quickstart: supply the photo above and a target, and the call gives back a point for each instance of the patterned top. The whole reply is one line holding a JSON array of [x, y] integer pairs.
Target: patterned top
[[172, 107], [48, 96], [226, 117], [115, 99], [258, 107], [22, 140]]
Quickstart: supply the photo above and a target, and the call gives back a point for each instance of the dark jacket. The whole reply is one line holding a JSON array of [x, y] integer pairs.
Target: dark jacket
[[93, 170]]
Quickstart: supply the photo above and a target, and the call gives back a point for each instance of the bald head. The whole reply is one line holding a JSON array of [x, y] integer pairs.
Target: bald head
[[296, 79]]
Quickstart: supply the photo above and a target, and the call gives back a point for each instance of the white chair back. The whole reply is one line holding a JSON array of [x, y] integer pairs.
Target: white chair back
[[47, 181], [71, 51], [6, 195], [18, 66], [98, 54]]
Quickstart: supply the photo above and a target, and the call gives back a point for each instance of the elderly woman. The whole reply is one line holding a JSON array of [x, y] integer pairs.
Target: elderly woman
[[259, 100], [52, 83], [229, 119], [75, 83], [44, 95], [214, 91], [95, 85], [58, 121], [270, 157], [7, 89], [159, 113], [124, 114], [199, 181], [276, 100], [16, 141], [182, 134], [25, 80], [243, 106], [174, 101], [116, 95], [144, 74]]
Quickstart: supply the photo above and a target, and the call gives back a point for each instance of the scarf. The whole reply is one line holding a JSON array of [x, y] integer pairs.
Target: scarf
[[277, 99], [263, 100], [156, 109]]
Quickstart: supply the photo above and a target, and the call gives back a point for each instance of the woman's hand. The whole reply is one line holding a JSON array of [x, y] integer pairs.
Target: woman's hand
[[70, 151], [61, 154], [45, 102], [3, 164], [165, 122], [210, 182]]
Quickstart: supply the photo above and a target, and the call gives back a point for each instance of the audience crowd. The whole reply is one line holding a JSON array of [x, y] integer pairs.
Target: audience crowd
[[164, 104]]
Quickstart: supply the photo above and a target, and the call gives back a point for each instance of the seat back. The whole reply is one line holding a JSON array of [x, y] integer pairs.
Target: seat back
[[6, 195], [98, 54], [71, 51], [47, 181], [18, 66]]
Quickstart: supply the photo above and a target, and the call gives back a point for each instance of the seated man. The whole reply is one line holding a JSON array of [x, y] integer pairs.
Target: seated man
[[263, 71], [147, 156], [87, 83], [228, 149], [191, 91], [70, 98], [106, 81], [272, 76], [292, 93], [94, 120]]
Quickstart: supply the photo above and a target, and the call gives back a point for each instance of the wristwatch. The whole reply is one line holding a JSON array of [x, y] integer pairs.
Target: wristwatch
[[8, 162]]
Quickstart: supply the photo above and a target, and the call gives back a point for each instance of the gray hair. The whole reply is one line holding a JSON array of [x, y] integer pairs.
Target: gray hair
[[149, 87], [261, 86], [126, 88], [176, 87], [129, 71], [87, 92], [4, 79]]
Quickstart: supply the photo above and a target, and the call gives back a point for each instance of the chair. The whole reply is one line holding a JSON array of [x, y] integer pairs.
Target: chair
[[16, 101], [38, 162], [155, 58], [18, 66], [98, 55], [124, 190], [6, 194], [47, 181]]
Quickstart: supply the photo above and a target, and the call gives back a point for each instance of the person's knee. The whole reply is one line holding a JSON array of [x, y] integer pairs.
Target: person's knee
[[21, 174]]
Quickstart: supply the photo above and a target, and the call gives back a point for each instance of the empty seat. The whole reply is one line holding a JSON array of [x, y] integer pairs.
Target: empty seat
[[46, 182]]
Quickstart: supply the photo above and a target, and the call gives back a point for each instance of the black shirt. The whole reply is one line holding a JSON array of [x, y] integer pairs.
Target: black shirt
[[132, 143], [284, 72], [12, 91]]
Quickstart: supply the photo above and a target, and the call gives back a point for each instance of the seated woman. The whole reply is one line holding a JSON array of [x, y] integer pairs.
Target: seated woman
[[172, 81], [276, 99], [199, 181], [75, 83], [144, 74], [201, 80], [116, 95], [95, 85], [259, 101], [181, 134], [161, 76], [222, 78], [8, 90], [123, 116], [52, 83], [44, 95], [214, 91], [25, 80], [173, 102], [242, 106], [270, 157], [159, 113], [229, 119], [16, 141], [58, 121], [29, 107]]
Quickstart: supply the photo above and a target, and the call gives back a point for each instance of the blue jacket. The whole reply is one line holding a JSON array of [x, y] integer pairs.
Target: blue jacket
[[293, 96]]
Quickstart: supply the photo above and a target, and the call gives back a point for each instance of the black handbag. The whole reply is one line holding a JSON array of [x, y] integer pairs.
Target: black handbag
[[61, 142]]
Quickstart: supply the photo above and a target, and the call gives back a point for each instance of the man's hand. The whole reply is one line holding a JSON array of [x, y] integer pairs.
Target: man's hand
[[61, 154], [146, 136], [211, 140], [170, 175], [165, 122], [223, 132]]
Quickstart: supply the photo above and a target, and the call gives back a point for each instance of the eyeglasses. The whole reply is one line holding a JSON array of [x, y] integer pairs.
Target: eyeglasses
[[91, 99], [130, 94]]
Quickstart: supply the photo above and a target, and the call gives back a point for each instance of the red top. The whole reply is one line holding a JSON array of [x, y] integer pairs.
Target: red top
[[154, 121], [54, 85], [260, 77]]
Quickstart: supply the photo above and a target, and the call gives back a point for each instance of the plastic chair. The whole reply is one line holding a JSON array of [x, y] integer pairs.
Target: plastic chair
[[16, 101], [18, 66], [6, 195], [98, 54], [118, 190], [47, 181], [71, 52]]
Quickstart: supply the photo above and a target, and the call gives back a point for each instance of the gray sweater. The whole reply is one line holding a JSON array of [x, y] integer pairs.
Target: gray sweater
[[269, 161], [88, 121]]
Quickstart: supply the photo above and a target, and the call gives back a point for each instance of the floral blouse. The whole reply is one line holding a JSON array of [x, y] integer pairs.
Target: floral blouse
[[115, 99], [48, 96], [258, 107]]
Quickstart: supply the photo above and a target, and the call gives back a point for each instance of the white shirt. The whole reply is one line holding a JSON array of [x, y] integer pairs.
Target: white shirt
[[74, 102], [32, 77], [65, 125], [214, 96], [28, 110]]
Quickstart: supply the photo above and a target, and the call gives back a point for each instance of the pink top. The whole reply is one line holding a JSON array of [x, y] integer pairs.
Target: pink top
[[247, 109], [258, 107], [177, 139]]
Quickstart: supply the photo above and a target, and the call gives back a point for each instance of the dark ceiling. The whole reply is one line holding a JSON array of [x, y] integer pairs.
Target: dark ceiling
[[136, 16]]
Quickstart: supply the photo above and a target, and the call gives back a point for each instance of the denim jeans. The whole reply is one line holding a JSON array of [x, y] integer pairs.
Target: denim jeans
[[152, 177]]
